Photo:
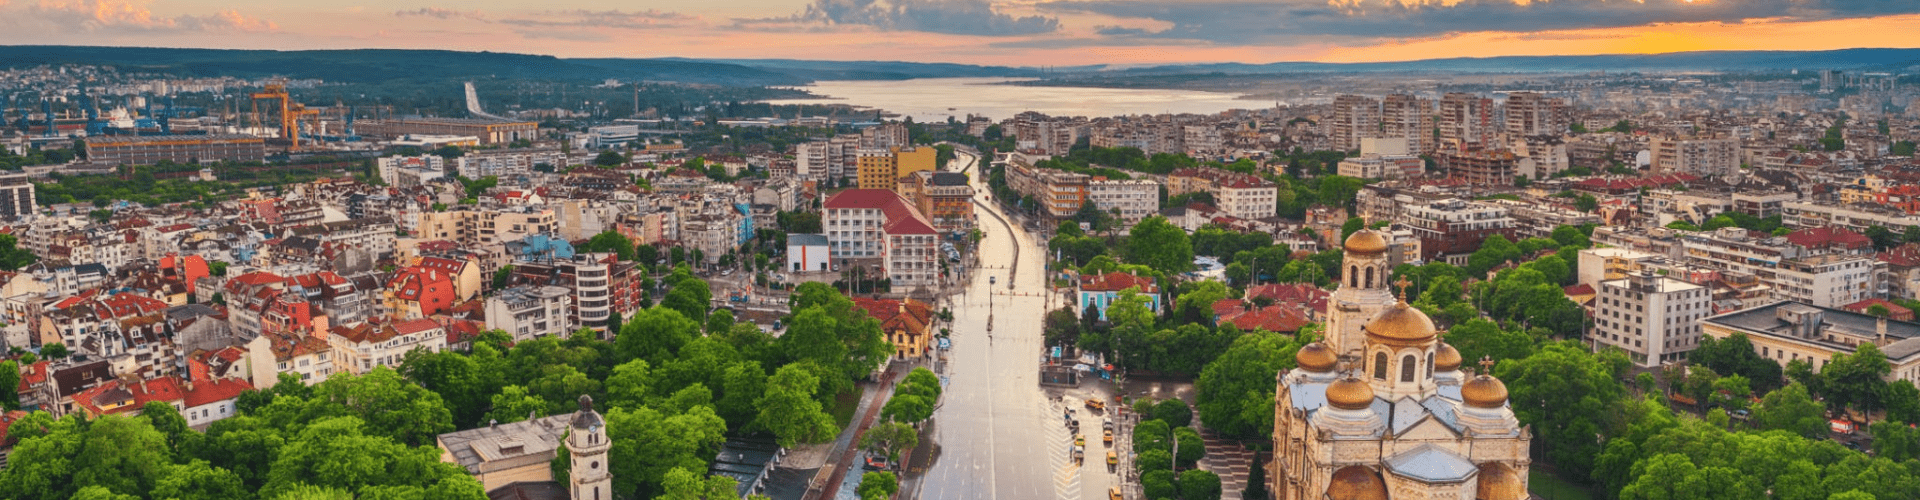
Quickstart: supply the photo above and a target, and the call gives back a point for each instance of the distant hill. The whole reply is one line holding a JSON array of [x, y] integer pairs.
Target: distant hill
[[384, 65], [1891, 60]]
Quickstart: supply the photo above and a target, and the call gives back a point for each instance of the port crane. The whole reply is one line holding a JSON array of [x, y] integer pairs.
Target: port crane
[[291, 113]]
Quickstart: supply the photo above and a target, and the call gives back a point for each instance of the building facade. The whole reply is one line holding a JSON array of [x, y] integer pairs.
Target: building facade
[[1655, 319]]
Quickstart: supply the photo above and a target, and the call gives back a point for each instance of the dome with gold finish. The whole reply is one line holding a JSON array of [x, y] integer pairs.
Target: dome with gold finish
[[1483, 392], [1350, 394], [1401, 324], [1446, 358], [1366, 242], [1316, 357]]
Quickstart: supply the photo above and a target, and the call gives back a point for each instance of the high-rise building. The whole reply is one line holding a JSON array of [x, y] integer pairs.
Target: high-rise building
[[1354, 117], [1466, 121], [1655, 319], [1406, 116], [16, 196], [1696, 156], [1532, 113], [1481, 167]]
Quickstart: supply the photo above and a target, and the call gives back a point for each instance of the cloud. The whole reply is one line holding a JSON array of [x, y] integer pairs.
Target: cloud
[[440, 13], [1119, 31], [126, 15], [957, 17], [647, 19], [1244, 22]]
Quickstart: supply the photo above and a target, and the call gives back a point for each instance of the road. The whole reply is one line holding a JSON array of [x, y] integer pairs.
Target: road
[[1000, 435]]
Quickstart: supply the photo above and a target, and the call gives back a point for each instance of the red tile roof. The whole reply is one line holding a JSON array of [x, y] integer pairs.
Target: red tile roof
[[1580, 289], [1829, 236], [1116, 281], [1907, 255], [902, 218], [1293, 293], [1895, 312], [215, 390]]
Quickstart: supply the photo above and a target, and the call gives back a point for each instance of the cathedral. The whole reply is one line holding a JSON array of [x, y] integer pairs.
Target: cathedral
[[1380, 409]]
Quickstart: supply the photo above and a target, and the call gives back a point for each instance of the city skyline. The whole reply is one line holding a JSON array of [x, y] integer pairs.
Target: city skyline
[[983, 31]]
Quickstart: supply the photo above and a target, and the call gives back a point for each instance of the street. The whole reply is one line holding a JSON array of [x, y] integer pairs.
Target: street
[[1001, 437]]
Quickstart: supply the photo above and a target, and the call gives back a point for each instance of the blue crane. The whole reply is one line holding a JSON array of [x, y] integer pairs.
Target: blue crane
[[46, 109]]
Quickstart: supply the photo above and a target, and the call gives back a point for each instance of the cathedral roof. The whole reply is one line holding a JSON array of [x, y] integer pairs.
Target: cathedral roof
[[1401, 324], [1366, 242], [1431, 464]]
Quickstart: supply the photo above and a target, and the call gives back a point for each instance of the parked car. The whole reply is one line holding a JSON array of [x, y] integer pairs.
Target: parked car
[[1107, 436], [1079, 440], [1112, 459], [875, 462], [1096, 404], [1113, 493]]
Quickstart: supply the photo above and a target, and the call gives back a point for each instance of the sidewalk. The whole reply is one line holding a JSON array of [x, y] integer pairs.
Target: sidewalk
[[846, 447]]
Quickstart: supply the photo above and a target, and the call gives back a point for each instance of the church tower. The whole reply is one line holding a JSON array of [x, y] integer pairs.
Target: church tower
[[1363, 292], [587, 442]]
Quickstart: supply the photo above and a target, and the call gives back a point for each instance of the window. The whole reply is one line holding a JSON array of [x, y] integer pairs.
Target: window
[[1407, 367], [1380, 366]]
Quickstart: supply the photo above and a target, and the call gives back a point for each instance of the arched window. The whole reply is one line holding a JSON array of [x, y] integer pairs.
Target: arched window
[[1380, 366], [1369, 276], [1407, 368], [1353, 276], [1429, 365]]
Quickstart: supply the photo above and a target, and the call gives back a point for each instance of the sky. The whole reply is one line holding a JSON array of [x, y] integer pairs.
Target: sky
[[995, 32]]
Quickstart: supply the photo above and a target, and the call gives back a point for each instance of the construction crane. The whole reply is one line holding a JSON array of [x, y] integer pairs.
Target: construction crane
[[290, 112]]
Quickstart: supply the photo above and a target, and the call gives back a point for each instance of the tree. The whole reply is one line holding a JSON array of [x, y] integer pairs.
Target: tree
[[1791, 409], [1856, 380], [1158, 244], [1234, 394], [334, 452], [1159, 484], [1174, 412], [655, 334], [1563, 391], [890, 439], [610, 241], [691, 297], [1586, 203], [878, 485], [503, 277], [1188, 447], [682, 484], [120, 455], [196, 480], [53, 350], [1153, 460], [1895, 441], [609, 159], [1353, 225], [1198, 484], [1735, 355], [9, 386], [514, 403], [788, 409], [648, 444]]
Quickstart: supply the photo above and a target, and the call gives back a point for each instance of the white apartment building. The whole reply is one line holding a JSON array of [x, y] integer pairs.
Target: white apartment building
[[1655, 319], [477, 227], [811, 160], [1532, 113], [507, 162], [1374, 166], [360, 348], [1247, 197], [1202, 140], [528, 312], [1133, 199], [1828, 280], [1696, 156], [878, 224], [1354, 117], [391, 166]]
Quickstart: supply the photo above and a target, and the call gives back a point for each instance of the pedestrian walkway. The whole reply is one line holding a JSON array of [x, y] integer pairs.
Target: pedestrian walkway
[[846, 454], [1228, 459]]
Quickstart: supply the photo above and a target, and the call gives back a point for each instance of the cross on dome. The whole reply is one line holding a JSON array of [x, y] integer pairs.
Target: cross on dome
[[1403, 284]]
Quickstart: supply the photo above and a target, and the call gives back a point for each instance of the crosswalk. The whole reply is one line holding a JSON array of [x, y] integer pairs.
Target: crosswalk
[[1066, 474]]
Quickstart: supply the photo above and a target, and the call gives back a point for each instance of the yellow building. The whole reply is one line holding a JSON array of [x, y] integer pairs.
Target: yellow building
[[882, 169], [1791, 331]]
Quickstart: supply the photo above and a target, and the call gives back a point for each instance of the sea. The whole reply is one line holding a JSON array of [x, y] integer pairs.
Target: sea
[[936, 99]]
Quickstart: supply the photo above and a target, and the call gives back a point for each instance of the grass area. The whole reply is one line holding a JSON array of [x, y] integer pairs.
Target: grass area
[[1551, 487], [843, 406]]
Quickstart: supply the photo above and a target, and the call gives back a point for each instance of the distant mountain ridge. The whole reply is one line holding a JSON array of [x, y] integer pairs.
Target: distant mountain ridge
[[384, 65]]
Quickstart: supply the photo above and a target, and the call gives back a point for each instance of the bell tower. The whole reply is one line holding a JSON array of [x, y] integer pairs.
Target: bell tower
[[1363, 292], [587, 442]]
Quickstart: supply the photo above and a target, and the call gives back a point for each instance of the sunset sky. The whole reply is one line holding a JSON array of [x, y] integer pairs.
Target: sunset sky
[[1023, 33]]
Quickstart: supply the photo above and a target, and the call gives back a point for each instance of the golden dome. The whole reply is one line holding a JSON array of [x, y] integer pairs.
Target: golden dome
[[1350, 394], [1357, 483], [1366, 242], [1484, 392], [1401, 325], [1446, 358], [1316, 357]]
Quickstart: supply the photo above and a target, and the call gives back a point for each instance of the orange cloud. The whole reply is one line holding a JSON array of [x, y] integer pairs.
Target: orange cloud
[[133, 15], [1761, 34]]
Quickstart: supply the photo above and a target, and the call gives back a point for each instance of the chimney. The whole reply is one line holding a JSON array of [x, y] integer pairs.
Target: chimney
[[1880, 327]]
